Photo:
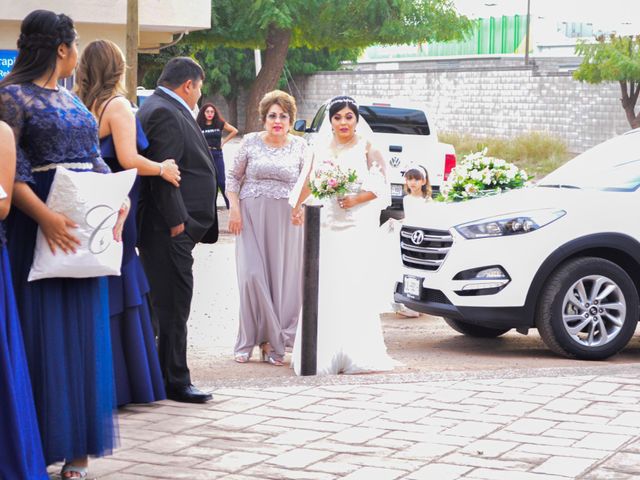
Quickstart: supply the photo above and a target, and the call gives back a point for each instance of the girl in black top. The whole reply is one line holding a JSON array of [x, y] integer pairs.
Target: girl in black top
[[212, 123]]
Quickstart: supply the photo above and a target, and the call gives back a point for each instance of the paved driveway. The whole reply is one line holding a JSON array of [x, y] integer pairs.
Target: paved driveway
[[507, 425]]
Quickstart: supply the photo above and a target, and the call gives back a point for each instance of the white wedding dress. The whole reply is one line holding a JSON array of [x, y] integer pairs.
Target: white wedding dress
[[352, 289]]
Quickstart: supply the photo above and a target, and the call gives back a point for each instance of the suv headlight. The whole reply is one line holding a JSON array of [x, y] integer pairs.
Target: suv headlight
[[510, 224]]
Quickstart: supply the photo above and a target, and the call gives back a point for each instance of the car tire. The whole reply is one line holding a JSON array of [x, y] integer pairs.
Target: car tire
[[571, 315], [472, 330]]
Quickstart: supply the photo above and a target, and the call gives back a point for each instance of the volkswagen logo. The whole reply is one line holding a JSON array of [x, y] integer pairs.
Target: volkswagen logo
[[394, 162], [417, 237]]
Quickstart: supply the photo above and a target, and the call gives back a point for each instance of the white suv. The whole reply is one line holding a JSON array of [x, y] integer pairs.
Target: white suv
[[404, 133], [562, 257]]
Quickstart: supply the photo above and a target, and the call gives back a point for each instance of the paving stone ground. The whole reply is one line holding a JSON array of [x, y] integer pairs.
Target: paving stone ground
[[541, 424]]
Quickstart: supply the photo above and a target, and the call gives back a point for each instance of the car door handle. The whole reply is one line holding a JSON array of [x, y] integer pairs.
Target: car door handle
[[395, 148]]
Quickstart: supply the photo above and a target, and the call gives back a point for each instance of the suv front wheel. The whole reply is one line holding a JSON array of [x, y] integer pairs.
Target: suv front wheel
[[588, 309]]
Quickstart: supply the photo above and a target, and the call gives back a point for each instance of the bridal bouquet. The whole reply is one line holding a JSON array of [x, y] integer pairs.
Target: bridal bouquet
[[329, 179], [479, 175]]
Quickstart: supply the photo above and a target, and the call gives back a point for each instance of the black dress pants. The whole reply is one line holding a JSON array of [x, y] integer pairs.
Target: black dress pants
[[168, 263]]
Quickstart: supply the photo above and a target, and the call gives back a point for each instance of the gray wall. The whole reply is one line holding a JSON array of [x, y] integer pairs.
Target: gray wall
[[481, 96]]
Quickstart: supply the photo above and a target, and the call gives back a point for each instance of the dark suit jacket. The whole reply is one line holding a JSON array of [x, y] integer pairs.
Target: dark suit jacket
[[173, 133]]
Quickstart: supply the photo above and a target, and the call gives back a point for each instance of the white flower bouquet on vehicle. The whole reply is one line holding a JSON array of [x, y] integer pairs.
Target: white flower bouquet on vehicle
[[479, 175], [328, 180]]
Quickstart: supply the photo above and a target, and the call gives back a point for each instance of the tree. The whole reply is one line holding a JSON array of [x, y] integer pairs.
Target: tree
[[228, 71], [614, 59], [150, 65], [275, 26]]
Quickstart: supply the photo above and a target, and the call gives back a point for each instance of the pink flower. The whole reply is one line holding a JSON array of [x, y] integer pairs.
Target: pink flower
[[332, 182]]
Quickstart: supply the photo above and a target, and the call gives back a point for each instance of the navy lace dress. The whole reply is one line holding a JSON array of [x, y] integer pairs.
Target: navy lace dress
[[65, 321], [135, 358], [20, 450]]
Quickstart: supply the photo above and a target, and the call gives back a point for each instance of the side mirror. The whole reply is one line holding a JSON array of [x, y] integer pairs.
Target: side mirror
[[300, 126]]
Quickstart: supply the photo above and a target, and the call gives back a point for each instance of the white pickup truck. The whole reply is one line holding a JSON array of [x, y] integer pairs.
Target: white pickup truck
[[406, 136]]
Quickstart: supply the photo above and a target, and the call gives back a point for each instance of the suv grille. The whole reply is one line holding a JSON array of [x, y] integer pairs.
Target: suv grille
[[426, 250]]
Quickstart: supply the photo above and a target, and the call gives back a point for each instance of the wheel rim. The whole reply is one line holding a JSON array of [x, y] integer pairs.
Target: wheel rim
[[594, 310]]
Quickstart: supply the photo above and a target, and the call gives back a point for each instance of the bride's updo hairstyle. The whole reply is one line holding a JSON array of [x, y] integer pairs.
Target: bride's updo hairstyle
[[343, 101], [41, 33]]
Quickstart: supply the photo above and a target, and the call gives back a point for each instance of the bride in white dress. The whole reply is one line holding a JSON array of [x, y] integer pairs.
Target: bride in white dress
[[351, 285]]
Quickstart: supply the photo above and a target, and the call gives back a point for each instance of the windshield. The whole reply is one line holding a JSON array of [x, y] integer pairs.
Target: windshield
[[612, 166], [404, 121]]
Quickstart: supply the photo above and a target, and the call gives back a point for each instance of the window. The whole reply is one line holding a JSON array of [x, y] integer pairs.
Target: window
[[403, 121], [318, 119]]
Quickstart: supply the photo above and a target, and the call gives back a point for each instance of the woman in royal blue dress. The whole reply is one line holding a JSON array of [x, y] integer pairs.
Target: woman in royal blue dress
[[65, 321], [20, 449], [99, 83]]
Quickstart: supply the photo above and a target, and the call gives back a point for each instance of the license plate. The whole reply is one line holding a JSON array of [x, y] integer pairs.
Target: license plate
[[396, 190], [412, 286]]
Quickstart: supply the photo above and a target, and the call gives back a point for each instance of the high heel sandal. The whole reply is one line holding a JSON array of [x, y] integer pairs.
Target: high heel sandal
[[241, 357], [268, 356], [71, 469]]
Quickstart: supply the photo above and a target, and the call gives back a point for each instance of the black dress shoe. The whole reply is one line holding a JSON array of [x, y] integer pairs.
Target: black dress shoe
[[188, 394]]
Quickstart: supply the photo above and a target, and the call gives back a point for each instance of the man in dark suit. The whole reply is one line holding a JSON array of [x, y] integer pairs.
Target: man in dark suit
[[172, 220]]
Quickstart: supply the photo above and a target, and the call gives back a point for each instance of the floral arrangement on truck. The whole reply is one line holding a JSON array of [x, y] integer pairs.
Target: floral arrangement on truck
[[479, 175]]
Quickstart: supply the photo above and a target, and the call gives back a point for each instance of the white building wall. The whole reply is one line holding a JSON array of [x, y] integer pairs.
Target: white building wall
[[159, 19]]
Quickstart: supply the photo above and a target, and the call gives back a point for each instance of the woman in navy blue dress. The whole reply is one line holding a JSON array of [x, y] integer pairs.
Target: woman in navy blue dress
[[212, 124], [65, 321], [99, 81], [20, 449]]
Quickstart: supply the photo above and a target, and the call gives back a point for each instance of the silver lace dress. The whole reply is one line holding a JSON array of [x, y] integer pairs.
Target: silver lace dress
[[269, 247]]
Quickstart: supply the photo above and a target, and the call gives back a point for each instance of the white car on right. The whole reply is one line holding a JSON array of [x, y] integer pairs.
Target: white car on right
[[562, 256]]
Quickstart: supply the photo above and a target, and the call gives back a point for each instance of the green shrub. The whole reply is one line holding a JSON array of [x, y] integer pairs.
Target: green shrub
[[537, 153]]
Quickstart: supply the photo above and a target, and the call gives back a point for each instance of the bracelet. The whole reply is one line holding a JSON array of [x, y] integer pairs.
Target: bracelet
[[161, 170]]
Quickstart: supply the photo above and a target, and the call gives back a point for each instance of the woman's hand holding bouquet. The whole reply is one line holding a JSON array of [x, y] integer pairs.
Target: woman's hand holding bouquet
[[328, 180]]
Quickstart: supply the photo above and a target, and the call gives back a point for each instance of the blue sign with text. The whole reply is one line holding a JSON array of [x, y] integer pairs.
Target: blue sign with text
[[7, 59]]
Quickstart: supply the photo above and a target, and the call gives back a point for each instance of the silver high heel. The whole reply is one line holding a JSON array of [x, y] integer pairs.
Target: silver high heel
[[241, 357], [269, 356]]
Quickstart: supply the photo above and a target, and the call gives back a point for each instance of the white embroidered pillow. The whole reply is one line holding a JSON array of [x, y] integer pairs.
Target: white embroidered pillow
[[92, 201]]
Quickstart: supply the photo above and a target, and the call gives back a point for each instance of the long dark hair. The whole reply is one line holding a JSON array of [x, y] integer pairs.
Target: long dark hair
[[41, 33], [218, 119]]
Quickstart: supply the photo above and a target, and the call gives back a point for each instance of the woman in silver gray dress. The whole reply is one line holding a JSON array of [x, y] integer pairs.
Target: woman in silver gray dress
[[268, 246]]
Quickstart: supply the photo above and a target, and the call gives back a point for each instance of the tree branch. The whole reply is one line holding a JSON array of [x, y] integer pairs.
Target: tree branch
[[277, 41], [625, 93], [635, 89], [629, 102]]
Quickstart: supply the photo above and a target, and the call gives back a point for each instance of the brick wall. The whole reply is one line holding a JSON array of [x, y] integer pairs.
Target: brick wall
[[483, 97]]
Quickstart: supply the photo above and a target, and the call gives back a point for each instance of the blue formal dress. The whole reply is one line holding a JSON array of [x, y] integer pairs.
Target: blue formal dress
[[65, 321], [135, 359], [20, 449]]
